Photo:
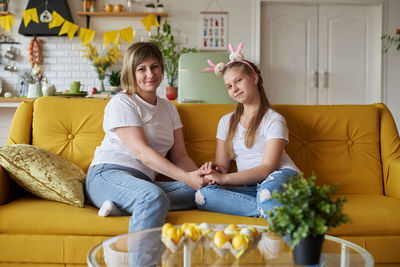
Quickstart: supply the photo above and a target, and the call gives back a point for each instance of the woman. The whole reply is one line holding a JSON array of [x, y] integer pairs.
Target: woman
[[140, 130], [254, 136]]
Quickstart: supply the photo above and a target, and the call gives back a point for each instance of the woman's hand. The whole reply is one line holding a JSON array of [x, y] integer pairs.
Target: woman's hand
[[196, 179]]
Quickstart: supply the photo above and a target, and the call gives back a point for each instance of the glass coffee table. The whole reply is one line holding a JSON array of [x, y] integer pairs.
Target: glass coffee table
[[145, 248]]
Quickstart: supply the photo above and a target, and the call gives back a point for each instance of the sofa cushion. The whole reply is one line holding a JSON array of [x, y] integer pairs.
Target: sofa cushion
[[44, 174], [58, 218], [338, 143]]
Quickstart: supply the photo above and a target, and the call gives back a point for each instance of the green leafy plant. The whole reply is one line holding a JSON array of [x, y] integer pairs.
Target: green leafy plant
[[306, 209], [389, 40], [165, 41], [115, 78], [150, 5]]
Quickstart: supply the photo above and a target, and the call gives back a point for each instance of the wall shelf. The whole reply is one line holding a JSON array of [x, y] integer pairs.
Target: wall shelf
[[4, 13], [118, 14]]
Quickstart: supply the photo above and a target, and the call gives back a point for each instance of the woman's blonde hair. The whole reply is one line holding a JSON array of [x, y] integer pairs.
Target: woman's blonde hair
[[255, 120], [134, 56]]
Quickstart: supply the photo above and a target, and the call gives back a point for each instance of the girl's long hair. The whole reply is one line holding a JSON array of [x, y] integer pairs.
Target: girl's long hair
[[255, 120], [134, 56]]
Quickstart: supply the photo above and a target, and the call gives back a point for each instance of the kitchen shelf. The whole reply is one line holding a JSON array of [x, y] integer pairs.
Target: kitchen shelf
[[118, 14], [4, 13]]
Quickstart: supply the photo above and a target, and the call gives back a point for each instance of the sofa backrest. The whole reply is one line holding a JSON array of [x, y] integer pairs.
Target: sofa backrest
[[339, 143]]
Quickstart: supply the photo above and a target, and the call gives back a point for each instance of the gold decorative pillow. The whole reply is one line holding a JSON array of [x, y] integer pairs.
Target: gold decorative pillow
[[44, 173]]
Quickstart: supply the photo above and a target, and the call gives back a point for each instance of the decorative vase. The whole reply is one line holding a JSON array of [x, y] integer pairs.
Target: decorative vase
[[102, 85], [34, 90], [171, 92], [308, 251]]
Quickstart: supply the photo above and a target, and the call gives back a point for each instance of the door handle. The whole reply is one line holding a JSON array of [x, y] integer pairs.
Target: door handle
[[316, 79], [326, 79]]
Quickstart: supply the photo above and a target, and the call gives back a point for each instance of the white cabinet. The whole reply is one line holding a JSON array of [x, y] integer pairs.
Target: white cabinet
[[320, 53]]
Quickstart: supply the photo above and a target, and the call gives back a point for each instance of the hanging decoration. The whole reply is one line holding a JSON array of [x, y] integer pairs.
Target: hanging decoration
[[150, 20], [213, 29], [69, 28], [45, 17], [7, 22], [30, 14], [86, 36], [110, 37]]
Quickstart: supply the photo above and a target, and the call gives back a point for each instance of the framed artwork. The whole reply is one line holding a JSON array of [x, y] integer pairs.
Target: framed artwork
[[213, 31]]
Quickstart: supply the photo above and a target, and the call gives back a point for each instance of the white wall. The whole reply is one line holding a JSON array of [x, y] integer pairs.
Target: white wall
[[64, 63], [393, 63]]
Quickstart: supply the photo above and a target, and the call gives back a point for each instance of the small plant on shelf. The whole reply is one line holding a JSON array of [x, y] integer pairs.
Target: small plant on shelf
[[150, 7]]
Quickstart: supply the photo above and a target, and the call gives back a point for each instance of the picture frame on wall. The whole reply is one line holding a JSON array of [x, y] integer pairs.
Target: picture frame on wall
[[213, 31]]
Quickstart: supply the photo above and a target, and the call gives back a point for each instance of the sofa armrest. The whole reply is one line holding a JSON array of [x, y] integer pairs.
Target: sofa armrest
[[393, 179], [390, 152]]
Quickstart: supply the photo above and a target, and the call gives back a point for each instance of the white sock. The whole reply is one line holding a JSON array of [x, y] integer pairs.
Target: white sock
[[109, 209]]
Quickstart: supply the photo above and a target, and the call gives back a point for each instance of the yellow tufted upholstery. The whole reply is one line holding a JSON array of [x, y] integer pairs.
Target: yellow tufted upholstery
[[357, 146]]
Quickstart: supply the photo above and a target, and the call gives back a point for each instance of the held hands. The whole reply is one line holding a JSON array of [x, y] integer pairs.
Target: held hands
[[214, 173], [197, 179]]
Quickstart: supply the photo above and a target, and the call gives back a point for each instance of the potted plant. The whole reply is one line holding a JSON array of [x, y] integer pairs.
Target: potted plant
[[171, 52], [4, 5], [160, 8], [305, 213], [389, 40], [115, 81], [149, 7]]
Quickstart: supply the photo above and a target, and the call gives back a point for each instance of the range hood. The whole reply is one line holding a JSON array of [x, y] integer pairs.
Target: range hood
[[42, 29]]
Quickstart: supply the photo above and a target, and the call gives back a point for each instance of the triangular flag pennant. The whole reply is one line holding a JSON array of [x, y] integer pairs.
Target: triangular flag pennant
[[149, 21], [56, 20], [68, 28], [126, 34], [86, 36], [111, 36], [30, 14], [7, 22]]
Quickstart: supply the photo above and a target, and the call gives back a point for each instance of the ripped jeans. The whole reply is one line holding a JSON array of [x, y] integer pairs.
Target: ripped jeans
[[251, 201]]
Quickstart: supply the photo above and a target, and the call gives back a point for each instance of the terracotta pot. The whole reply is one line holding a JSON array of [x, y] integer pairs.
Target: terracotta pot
[[171, 92]]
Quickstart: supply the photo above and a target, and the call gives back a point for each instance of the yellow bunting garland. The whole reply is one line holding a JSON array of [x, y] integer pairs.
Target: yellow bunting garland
[[68, 28], [56, 20], [126, 34], [110, 36], [30, 14], [7, 22], [86, 36], [150, 20]]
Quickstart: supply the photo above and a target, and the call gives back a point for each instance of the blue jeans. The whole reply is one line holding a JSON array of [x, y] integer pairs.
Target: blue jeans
[[252, 200], [133, 192]]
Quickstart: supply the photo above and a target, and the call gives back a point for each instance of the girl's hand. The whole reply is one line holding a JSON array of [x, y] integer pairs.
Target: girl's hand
[[217, 177], [211, 165]]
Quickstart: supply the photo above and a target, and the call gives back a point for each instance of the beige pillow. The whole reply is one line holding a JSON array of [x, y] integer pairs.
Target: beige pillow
[[44, 174]]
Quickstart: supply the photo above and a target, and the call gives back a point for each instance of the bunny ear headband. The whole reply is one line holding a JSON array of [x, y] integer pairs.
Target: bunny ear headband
[[235, 56]]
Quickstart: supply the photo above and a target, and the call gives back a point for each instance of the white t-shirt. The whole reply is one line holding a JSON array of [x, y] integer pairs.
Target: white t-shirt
[[157, 121], [273, 125]]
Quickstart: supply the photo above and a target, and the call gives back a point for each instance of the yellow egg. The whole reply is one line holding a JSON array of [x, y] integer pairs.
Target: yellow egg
[[185, 226], [233, 226], [238, 241], [174, 233], [220, 238], [165, 227], [253, 230], [193, 232]]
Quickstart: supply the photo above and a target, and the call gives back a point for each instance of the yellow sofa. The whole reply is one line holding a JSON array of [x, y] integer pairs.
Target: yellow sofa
[[355, 145]]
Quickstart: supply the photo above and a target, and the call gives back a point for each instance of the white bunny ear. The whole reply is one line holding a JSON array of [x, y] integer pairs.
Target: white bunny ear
[[231, 48], [239, 48]]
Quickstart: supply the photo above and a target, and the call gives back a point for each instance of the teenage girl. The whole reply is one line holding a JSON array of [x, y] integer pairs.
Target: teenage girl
[[255, 136]]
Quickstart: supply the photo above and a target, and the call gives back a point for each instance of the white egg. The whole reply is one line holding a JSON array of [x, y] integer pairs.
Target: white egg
[[205, 226], [230, 231], [7, 95], [246, 232]]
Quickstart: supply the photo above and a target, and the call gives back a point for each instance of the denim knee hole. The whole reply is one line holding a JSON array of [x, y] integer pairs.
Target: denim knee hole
[[199, 198]]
